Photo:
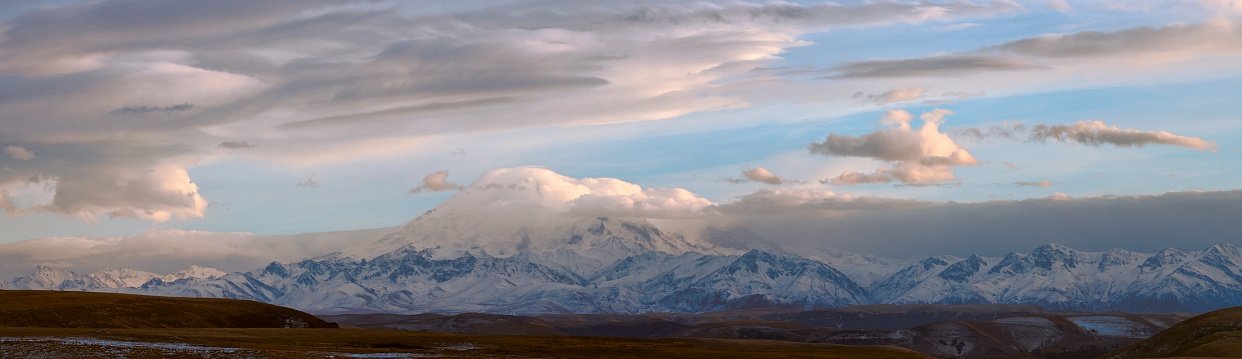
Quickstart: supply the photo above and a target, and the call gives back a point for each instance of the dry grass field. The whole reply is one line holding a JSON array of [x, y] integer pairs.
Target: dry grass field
[[92, 325], [1216, 334]]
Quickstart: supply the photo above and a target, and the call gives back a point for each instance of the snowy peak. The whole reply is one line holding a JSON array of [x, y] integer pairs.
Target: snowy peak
[[961, 271], [1119, 258], [195, 272], [533, 210], [122, 278], [603, 239], [1054, 254], [1164, 258], [649, 276], [46, 277]]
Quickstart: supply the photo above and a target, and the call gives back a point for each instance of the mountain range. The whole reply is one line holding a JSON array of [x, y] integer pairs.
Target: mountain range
[[526, 256]]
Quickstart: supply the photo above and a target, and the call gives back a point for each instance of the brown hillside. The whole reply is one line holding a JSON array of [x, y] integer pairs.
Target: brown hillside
[[56, 309], [1216, 334]]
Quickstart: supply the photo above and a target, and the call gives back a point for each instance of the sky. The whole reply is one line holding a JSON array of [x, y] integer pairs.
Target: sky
[[889, 127]]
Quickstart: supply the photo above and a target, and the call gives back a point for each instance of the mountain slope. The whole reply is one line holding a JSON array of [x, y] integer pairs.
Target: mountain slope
[[1217, 334], [426, 280], [58, 309], [1058, 277]]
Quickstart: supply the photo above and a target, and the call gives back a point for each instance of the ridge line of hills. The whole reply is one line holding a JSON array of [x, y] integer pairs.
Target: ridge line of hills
[[630, 266]]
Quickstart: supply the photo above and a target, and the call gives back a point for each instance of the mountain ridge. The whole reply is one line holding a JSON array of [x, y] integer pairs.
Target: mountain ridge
[[410, 280]]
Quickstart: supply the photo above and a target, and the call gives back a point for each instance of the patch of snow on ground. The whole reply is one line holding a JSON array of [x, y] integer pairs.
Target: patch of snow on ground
[[1111, 326], [120, 344], [1031, 321]]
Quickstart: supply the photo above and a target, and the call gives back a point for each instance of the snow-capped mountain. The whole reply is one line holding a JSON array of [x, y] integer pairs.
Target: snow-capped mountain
[[532, 210], [526, 241], [411, 280], [45, 277], [1059, 277]]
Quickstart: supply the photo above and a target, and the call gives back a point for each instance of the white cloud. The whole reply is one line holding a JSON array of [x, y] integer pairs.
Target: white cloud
[[1041, 183], [891, 96], [916, 156], [516, 192], [436, 182], [163, 251], [157, 194], [6, 203], [762, 175], [19, 153], [159, 84], [1096, 133], [851, 178], [1059, 5]]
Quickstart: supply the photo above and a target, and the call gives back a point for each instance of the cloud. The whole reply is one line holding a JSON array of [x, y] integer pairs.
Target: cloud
[[891, 96], [142, 110], [157, 194], [6, 203], [941, 65], [161, 84], [164, 251], [235, 145], [900, 228], [1059, 5], [517, 193], [19, 153], [1004, 130], [1096, 133], [310, 182], [762, 175], [1043, 183], [108, 179], [436, 182], [916, 156], [804, 202], [1091, 133], [1212, 37], [913, 94], [1045, 52], [853, 178]]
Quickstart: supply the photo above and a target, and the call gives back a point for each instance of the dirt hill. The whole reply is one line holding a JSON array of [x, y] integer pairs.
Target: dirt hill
[[1216, 334], [56, 309]]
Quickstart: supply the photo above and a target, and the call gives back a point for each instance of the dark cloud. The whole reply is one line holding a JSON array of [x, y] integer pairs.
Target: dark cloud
[[1207, 37], [19, 153], [164, 251], [235, 145], [900, 228], [142, 110], [1091, 133], [943, 65], [395, 114], [344, 75], [1006, 130], [1031, 53], [310, 182], [1096, 133]]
